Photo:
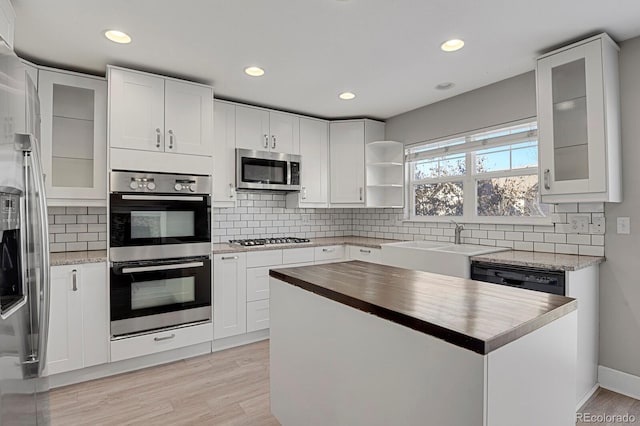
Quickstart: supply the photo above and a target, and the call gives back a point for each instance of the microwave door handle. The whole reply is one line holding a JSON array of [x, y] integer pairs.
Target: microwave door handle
[[134, 269]]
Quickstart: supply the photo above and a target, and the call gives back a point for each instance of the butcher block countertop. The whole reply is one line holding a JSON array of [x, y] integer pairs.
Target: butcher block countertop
[[474, 315]]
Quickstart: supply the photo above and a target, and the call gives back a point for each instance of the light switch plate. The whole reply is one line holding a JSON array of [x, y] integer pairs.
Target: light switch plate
[[623, 225]]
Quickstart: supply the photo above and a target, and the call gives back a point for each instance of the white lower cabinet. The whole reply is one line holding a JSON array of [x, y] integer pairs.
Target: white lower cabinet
[[147, 344], [367, 254], [329, 254], [79, 318], [229, 295], [257, 315]]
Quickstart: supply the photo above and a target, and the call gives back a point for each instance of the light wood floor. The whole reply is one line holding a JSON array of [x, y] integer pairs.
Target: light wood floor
[[225, 388]]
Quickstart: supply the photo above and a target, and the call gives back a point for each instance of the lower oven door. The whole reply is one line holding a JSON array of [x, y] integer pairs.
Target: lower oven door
[[151, 295]]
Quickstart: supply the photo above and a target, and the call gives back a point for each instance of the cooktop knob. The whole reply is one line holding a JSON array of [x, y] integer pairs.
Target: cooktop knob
[[151, 186], [178, 187], [133, 184], [192, 187]]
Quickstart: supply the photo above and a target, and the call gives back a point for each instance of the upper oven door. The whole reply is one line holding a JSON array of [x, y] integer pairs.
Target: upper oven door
[[264, 170], [145, 226]]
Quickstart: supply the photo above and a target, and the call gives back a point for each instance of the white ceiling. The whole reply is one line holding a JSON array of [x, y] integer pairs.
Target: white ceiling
[[385, 51]]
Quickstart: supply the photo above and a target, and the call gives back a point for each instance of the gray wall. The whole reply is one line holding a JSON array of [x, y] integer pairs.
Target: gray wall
[[619, 275], [507, 100], [514, 99]]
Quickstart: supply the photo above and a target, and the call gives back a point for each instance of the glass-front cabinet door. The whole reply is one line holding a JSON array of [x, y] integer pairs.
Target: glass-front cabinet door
[[74, 116], [573, 121]]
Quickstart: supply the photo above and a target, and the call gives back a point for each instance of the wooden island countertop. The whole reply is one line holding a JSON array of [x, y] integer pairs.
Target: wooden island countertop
[[474, 315]]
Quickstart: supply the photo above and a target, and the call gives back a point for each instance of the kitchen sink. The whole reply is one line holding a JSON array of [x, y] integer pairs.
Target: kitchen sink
[[433, 256]]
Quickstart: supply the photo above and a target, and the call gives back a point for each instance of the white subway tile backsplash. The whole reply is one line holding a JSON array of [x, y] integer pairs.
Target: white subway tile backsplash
[[76, 228]]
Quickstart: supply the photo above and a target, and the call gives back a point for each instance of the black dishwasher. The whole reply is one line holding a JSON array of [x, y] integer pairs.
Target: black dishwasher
[[537, 279]]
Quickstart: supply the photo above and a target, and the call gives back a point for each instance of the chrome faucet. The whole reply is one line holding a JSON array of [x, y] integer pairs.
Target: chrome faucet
[[458, 232]]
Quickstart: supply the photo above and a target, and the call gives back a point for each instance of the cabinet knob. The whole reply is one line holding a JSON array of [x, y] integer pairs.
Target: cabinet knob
[[158, 138], [230, 190], [360, 193], [266, 141], [304, 192], [74, 279], [273, 144]]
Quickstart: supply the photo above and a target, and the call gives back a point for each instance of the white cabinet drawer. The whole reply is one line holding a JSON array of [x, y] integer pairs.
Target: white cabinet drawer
[[367, 254], [161, 341], [258, 283], [297, 255], [264, 258], [329, 253], [257, 315]]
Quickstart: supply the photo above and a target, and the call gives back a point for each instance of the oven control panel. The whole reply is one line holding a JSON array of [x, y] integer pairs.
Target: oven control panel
[[162, 183]]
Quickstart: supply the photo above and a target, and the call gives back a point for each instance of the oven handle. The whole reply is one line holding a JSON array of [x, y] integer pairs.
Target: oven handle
[[134, 269], [162, 197]]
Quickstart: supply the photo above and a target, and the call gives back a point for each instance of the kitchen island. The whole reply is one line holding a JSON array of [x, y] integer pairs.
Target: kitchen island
[[356, 343]]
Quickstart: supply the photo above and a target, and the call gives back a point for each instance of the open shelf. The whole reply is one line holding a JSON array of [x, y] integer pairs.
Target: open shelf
[[385, 174]]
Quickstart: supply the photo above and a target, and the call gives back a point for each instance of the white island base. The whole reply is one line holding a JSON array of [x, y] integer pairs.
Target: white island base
[[332, 364]]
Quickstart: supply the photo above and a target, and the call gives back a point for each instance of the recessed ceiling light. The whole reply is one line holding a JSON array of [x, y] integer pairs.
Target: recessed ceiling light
[[254, 71], [347, 96], [117, 36], [452, 45], [445, 86]]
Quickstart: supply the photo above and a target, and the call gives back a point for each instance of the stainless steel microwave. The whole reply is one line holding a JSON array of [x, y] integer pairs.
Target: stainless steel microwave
[[267, 170]]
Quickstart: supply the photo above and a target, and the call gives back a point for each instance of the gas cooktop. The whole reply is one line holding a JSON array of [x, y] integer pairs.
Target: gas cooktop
[[269, 241]]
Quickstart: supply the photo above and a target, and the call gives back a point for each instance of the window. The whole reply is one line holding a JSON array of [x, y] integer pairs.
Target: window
[[489, 176]]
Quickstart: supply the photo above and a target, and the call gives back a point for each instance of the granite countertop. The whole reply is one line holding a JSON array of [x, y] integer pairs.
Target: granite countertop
[[473, 315], [219, 248], [558, 262], [78, 257]]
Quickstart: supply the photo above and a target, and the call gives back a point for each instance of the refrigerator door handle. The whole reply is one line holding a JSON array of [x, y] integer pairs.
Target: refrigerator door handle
[[30, 145]]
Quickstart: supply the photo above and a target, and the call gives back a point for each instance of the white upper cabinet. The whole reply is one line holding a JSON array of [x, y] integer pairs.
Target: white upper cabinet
[[224, 139], [154, 113], [188, 118], [579, 122], [264, 130], [7, 22], [347, 141], [314, 150], [74, 119]]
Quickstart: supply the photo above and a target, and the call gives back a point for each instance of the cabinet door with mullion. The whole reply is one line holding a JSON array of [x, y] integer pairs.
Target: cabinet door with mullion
[[74, 133], [571, 121]]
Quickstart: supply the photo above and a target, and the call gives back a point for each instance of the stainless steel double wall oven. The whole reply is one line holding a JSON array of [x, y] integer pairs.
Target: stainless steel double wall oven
[[160, 251]]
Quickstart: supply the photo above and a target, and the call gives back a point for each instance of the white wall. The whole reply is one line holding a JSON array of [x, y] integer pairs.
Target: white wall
[[619, 276]]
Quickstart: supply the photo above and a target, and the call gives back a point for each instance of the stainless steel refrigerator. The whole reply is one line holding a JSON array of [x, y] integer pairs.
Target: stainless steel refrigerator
[[24, 251]]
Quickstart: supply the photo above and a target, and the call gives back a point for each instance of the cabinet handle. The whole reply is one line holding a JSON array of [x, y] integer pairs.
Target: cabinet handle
[[160, 339], [360, 193], [304, 192], [170, 139], [365, 251], [273, 145], [230, 190], [547, 179], [158, 138], [328, 250], [229, 257], [74, 279], [266, 141]]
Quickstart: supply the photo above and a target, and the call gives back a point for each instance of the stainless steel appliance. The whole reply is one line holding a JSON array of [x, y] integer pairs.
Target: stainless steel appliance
[[537, 279], [159, 216], [267, 170], [150, 295], [269, 241], [24, 251]]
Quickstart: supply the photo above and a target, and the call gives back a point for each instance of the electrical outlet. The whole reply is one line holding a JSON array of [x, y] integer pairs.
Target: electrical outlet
[[623, 225], [579, 224]]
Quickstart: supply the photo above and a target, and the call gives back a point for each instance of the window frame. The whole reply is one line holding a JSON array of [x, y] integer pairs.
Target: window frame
[[469, 181]]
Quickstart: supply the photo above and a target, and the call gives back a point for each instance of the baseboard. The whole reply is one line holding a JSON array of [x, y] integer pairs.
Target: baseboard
[[586, 397], [242, 339], [618, 381]]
